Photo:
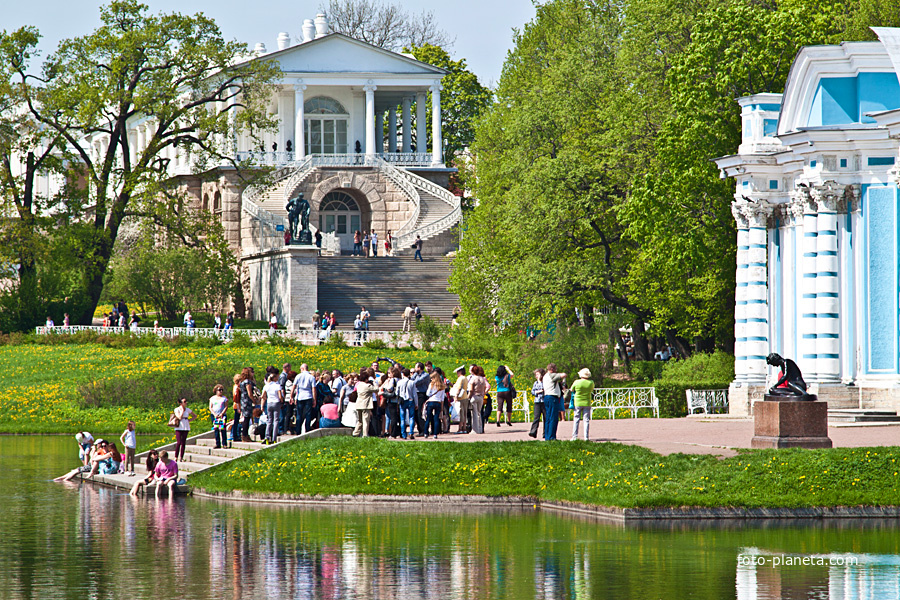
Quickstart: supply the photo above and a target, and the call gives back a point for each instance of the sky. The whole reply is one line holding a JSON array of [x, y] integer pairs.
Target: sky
[[482, 29]]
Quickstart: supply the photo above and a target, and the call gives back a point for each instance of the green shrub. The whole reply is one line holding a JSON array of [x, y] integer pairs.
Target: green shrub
[[428, 332], [717, 366], [647, 370], [376, 344], [241, 340], [336, 339]]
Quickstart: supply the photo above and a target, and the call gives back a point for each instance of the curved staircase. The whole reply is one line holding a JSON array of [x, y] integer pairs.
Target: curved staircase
[[436, 214]]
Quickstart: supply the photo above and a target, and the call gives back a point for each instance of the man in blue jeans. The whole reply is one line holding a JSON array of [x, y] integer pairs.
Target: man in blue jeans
[[305, 394], [418, 246], [552, 393]]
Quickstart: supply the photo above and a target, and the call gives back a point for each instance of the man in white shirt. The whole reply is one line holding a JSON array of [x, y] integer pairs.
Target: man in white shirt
[[408, 313], [552, 405], [305, 396], [337, 383]]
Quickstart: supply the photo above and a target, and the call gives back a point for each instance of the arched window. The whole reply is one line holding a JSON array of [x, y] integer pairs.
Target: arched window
[[326, 126], [205, 205], [217, 202], [339, 213]]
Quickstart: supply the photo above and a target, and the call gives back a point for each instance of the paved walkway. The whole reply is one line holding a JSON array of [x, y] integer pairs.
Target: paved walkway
[[718, 436]]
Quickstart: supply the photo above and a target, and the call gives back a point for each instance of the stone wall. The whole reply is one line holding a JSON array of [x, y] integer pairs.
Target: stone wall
[[284, 281]]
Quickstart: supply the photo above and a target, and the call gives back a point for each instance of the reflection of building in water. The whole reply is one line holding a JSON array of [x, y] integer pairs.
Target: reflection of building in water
[[768, 575]]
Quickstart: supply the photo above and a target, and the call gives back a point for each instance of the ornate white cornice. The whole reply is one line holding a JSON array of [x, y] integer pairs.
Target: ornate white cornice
[[752, 213]]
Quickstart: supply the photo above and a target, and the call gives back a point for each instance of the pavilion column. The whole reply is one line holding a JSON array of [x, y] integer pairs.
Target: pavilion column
[[139, 140], [392, 129], [299, 122], [828, 322], [740, 295], [421, 125], [807, 360], [756, 292], [284, 112], [437, 141], [370, 118], [407, 123], [379, 132]]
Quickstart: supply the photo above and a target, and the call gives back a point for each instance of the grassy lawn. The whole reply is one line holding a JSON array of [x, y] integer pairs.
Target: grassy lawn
[[604, 474], [42, 387]]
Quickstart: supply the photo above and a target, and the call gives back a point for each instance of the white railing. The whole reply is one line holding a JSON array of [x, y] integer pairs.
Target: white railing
[[633, 399], [307, 337], [266, 158], [300, 172], [396, 177], [405, 239], [253, 192], [707, 401], [264, 228], [408, 159]]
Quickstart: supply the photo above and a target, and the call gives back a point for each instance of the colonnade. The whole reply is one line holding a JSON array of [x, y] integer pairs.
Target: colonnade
[[819, 317]]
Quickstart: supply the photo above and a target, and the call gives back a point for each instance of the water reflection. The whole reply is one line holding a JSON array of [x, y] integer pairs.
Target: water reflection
[[81, 541]]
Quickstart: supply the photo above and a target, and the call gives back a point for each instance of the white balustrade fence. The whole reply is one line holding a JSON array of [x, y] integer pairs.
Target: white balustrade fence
[[632, 399], [707, 401], [303, 336]]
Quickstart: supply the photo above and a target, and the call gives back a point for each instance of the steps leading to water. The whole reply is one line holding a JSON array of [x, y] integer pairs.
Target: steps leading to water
[[201, 454], [384, 285], [861, 417]]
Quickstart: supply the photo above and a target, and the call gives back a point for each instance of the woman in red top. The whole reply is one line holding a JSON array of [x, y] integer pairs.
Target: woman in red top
[[388, 243]]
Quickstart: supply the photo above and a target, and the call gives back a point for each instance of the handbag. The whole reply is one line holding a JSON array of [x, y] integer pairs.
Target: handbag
[[173, 420]]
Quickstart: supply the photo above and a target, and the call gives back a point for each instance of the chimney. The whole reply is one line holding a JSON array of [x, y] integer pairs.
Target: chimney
[[309, 30], [260, 49], [284, 40], [321, 25]]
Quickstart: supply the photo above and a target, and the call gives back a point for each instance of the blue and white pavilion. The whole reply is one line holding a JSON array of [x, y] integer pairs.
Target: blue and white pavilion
[[816, 207]]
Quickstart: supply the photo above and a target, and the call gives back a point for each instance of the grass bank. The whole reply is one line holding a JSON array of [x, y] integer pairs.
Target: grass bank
[[69, 387], [600, 474]]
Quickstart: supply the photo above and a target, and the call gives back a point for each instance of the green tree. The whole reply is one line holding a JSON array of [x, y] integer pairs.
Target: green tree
[[594, 181], [171, 277], [193, 88], [463, 100]]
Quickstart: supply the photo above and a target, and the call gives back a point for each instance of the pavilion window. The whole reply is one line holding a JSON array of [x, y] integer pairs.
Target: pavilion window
[[326, 126]]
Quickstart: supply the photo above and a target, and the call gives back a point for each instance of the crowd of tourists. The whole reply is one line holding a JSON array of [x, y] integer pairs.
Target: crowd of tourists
[[386, 399]]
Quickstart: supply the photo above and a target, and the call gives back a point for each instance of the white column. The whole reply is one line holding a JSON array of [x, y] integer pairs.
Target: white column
[[392, 129], [421, 126], [141, 141], [370, 118], [299, 137], [437, 141], [379, 132], [828, 342], [807, 326], [407, 123], [756, 296], [740, 294], [284, 112]]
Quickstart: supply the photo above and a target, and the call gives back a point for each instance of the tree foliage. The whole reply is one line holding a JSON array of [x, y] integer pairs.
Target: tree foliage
[[594, 180], [192, 89], [171, 277], [388, 26]]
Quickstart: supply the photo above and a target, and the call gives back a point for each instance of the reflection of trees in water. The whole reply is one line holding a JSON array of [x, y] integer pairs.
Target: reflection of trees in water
[[100, 543]]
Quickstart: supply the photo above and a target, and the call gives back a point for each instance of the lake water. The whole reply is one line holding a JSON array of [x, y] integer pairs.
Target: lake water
[[83, 541]]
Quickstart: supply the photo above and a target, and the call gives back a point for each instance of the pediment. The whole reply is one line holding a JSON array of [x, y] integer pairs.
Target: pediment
[[338, 53]]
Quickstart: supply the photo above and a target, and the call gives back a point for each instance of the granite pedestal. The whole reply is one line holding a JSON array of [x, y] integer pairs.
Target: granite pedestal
[[284, 281], [790, 424]]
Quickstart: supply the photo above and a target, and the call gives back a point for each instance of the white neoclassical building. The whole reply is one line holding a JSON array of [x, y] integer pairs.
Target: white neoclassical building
[[355, 138], [816, 206]]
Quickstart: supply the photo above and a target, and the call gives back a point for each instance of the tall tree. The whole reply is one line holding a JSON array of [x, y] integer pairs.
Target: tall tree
[[388, 26], [192, 88]]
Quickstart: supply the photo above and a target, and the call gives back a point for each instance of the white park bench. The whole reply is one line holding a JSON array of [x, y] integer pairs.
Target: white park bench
[[633, 399], [707, 401]]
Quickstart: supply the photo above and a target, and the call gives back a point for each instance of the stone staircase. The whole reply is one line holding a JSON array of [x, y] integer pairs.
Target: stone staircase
[[266, 209], [861, 417], [201, 454], [384, 285]]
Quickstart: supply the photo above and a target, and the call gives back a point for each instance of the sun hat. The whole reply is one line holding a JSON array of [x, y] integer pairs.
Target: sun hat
[[585, 373], [99, 442], [458, 369]]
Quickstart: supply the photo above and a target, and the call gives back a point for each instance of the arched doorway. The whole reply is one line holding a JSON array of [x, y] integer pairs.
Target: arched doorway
[[339, 213]]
